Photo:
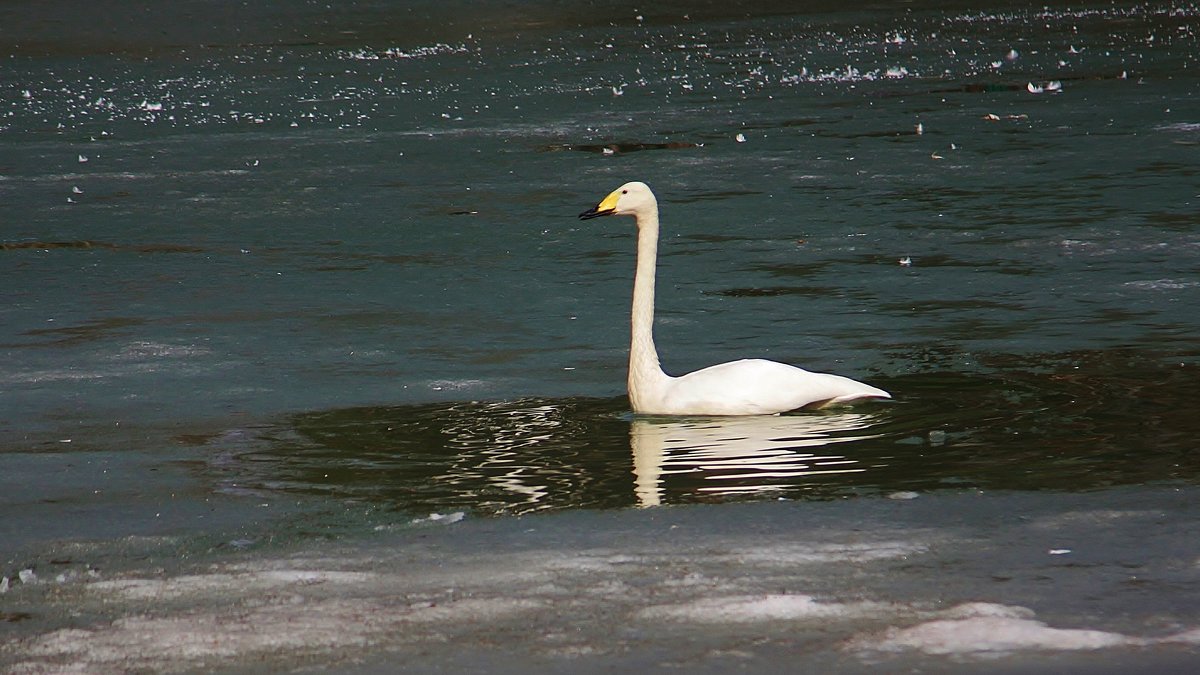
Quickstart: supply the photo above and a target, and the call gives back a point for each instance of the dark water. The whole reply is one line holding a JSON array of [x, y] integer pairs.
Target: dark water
[[1039, 426], [280, 273]]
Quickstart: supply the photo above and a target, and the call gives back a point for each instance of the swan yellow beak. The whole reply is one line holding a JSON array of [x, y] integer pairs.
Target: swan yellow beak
[[604, 208]]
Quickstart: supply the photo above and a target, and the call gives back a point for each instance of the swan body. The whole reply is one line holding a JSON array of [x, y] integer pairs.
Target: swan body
[[745, 387]]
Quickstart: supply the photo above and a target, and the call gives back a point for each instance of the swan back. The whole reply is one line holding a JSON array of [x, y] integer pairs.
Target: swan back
[[756, 387]]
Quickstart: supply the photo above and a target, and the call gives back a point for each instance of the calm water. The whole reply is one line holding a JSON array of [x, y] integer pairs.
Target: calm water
[[280, 272]]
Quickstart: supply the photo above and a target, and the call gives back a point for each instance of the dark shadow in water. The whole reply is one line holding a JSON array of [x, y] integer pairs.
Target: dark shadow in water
[[618, 147], [1071, 421], [88, 331], [85, 244]]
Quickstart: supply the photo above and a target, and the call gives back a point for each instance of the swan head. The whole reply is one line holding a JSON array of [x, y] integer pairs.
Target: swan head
[[628, 200]]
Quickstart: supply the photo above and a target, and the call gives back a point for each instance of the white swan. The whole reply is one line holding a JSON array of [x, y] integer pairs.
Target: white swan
[[746, 387]]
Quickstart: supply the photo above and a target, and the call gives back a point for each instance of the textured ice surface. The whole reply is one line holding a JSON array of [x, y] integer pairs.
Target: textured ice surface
[[844, 585]]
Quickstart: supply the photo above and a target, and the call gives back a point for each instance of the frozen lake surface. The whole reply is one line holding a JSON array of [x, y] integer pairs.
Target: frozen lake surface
[[1099, 582], [306, 362]]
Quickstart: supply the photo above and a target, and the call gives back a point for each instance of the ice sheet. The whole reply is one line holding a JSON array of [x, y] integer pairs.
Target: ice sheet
[[940, 579]]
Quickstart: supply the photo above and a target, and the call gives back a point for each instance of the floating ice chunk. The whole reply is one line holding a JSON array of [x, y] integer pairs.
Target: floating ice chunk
[[754, 608], [992, 634], [906, 261], [1160, 284], [76, 190], [972, 610], [1179, 126], [248, 583], [740, 138], [441, 518], [151, 107], [1059, 551], [1051, 86], [3, 584], [27, 576], [397, 53], [988, 629], [1012, 55], [83, 158]]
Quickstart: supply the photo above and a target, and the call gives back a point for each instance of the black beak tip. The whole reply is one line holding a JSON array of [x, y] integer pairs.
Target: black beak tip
[[594, 213]]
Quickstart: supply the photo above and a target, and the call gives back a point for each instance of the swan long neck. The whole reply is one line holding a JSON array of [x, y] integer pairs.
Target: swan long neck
[[644, 369]]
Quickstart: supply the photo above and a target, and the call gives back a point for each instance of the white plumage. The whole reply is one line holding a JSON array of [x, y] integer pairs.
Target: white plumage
[[745, 387]]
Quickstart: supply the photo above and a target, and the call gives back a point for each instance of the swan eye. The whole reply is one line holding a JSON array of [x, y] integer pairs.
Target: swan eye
[[624, 192]]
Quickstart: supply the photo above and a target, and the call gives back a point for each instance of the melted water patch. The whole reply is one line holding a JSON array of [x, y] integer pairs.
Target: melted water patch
[[1046, 422]]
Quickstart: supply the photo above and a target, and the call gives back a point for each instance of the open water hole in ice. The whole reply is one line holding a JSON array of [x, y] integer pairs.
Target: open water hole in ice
[[307, 362]]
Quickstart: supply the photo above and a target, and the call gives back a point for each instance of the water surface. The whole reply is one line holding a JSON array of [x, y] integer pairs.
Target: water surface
[[277, 275]]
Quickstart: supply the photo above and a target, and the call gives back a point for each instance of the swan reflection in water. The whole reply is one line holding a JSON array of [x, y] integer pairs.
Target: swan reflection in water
[[1077, 423], [513, 457], [741, 455]]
